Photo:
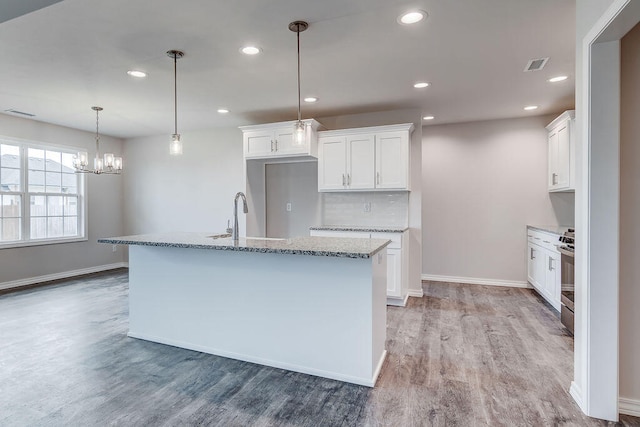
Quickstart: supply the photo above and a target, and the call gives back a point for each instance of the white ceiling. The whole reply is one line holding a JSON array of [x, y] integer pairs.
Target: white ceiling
[[59, 61]]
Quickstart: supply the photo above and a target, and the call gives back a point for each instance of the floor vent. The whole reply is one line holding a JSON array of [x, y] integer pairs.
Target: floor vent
[[536, 64], [22, 113]]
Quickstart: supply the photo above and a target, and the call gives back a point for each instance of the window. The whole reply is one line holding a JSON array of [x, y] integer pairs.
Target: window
[[41, 196]]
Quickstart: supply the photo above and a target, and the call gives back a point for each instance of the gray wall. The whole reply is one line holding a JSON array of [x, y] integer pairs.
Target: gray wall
[[104, 209], [630, 216], [192, 192], [295, 183], [483, 182]]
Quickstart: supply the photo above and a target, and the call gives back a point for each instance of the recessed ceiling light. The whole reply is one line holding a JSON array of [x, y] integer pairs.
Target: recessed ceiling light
[[311, 99], [531, 107], [412, 17], [421, 85], [558, 79], [250, 50], [137, 73], [223, 110], [428, 118]]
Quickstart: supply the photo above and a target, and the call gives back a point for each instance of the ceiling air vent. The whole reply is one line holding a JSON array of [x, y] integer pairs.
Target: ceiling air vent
[[536, 64], [22, 113]]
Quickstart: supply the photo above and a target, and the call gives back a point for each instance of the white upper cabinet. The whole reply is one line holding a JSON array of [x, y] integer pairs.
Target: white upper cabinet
[[364, 159], [275, 140], [562, 153]]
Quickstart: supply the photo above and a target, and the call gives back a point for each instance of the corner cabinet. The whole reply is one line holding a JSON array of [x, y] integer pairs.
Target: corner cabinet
[[364, 159], [397, 260], [275, 140], [543, 265], [562, 153]]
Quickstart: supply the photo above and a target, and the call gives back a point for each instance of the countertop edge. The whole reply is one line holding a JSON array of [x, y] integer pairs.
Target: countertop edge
[[364, 229], [556, 231], [322, 253]]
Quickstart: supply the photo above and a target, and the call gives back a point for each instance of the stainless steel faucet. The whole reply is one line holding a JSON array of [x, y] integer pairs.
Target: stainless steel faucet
[[234, 236]]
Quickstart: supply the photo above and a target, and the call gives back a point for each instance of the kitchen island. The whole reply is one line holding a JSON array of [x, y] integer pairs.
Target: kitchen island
[[315, 305]]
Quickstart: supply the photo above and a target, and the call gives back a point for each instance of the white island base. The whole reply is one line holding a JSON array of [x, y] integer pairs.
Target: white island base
[[319, 315]]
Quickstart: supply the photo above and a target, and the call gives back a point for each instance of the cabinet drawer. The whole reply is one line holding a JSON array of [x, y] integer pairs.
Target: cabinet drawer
[[396, 239], [336, 233], [545, 240]]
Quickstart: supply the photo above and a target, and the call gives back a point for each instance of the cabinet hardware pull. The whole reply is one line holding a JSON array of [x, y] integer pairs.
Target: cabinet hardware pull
[[531, 256], [550, 264], [546, 241], [377, 177], [554, 179], [343, 181], [276, 145], [272, 145], [349, 179]]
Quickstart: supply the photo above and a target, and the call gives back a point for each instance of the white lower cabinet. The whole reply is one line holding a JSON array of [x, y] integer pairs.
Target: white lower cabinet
[[543, 265], [397, 260]]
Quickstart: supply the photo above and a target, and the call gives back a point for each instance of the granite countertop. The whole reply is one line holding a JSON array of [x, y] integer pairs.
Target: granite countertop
[[315, 246], [363, 228], [553, 229]]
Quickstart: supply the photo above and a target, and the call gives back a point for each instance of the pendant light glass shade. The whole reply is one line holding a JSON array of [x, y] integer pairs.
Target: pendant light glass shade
[[175, 147], [109, 164], [299, 127]]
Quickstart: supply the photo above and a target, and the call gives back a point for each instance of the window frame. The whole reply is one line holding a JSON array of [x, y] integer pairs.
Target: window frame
[[25, 194]]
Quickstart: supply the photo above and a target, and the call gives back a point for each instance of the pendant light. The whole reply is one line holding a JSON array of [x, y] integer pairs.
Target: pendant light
[[299, 127], [109, 164], [175, 148]]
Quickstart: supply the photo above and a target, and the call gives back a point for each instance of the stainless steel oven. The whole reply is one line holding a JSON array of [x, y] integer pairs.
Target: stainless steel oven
[[567, 267]]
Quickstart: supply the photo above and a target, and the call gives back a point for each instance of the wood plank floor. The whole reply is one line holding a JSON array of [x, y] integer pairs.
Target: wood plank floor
[[464, 355]]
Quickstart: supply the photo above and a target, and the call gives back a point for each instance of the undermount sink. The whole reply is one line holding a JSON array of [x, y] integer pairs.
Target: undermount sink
[[263, 238], [220, 236]]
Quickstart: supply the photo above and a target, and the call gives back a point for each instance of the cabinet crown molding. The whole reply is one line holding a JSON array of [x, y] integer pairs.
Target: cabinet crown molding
[[407, 127], [309, 122], [567, 115]]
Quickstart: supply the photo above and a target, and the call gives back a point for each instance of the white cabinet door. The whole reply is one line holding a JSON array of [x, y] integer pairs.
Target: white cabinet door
[[332, 163], [564, 150], [394, 273], [284, 142], [537, 274], [361, 162], [553, 278], [531, 263], [392, 160], [258, 143], [553, 160]]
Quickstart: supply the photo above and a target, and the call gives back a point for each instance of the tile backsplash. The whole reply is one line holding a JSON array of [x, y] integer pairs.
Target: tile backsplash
[[386, 208]]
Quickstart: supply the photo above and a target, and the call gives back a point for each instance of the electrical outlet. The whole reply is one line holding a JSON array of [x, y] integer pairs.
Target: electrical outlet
[[114, 248], [367, 207], [289, 207]]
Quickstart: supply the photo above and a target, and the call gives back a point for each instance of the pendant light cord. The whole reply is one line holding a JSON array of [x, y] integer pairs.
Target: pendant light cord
[[97, 134], [298, 32], [175, 93]]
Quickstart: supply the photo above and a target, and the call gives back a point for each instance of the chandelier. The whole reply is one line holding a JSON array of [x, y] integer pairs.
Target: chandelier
[[109, 164]]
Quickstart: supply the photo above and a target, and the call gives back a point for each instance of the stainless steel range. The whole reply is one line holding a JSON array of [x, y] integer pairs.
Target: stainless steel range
[[567, 250]]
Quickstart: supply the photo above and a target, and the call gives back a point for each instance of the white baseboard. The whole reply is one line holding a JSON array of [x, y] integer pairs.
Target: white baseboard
[[63, 275], [576, 393], [476, 281], [415, 293], [629, 407]]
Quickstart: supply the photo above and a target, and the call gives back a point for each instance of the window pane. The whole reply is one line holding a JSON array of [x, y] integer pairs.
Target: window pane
[[55, 205], [53, 161], [9, 179], [69, 183], [54, 182], [9, 156], [36, 159], [67, 163], [10, 207], [55, 227], [38, 228], [70, 206], [71, 226], [10, 229], [38, 206], [36, 181]]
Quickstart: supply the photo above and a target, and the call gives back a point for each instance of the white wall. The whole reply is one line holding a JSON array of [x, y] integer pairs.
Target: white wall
[[104, 210], [192, 192], [483, 183], [630, 217]]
